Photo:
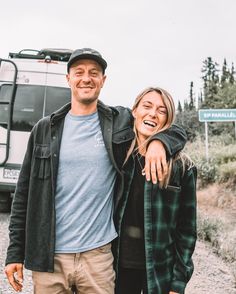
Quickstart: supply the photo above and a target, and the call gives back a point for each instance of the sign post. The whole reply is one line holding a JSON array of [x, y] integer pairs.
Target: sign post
[[215, 115], [206, 141], [235, 128]]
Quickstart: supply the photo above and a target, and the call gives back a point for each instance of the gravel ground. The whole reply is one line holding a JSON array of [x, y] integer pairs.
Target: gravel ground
[[5, 288], [211, 274]]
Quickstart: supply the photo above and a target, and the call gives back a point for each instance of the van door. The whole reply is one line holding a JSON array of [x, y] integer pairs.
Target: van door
[[40, 89], [8, 75]]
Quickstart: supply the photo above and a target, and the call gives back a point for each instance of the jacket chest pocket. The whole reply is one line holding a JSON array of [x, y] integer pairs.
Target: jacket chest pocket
[[171, 196], [41, 162], [121, 141], [171, 199], [123, 136]]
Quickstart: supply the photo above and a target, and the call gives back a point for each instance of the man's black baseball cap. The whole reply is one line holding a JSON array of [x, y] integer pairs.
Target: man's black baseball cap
[[87, 53]]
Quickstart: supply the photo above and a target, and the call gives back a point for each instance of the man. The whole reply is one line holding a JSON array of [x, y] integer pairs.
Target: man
[[61, 223]]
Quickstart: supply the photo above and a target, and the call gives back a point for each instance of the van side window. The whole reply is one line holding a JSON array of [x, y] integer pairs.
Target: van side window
[[5, 96], [28, 109], [56, 97], [32, 102]]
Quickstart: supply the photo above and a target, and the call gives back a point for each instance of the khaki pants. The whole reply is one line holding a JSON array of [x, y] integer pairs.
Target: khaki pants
[[90, 272]]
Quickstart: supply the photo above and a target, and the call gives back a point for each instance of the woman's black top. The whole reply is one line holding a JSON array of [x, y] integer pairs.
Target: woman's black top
[[132, 252]]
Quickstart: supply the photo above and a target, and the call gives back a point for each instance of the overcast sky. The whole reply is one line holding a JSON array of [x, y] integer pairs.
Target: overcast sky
[[145, 42]]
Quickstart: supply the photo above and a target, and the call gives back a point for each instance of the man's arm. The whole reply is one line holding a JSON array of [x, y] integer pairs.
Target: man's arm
[[15, 252], [162, 146], [174, 139]]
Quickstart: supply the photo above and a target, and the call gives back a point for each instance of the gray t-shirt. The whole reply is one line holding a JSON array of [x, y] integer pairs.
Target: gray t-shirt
[[85, 187]]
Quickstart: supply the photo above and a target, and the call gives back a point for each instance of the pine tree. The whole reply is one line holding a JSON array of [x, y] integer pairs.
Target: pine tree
[[232, 73], [191, 97], [186, 105], [210, 81], [225, 75], [179, 109], [200, 100]]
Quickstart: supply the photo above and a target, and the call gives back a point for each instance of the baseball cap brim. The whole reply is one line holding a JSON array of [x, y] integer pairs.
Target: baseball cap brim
[[102, 62]]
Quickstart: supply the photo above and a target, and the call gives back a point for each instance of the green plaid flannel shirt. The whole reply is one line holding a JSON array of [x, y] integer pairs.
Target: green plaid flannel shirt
[[169, 229]]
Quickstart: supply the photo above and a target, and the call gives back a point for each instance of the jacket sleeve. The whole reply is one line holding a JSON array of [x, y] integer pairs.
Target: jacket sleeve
[[16, 248], [174, 139], [186, 233]]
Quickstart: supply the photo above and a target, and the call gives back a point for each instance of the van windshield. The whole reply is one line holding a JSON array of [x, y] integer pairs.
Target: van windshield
[[28, 109]]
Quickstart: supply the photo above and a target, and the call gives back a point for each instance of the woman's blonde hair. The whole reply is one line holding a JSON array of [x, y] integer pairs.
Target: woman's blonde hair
[[170, 107]]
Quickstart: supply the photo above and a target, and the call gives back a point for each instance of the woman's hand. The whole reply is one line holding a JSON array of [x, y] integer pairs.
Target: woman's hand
[[155, 162]]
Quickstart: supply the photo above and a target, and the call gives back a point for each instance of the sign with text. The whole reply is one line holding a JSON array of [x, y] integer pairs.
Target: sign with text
[[217, 115]]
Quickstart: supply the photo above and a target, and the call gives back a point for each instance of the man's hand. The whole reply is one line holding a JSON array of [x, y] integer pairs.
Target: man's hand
[[155, 162], [15, 280]]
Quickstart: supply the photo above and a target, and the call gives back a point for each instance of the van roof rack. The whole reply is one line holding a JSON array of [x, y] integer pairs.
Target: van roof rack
[[52, 53]]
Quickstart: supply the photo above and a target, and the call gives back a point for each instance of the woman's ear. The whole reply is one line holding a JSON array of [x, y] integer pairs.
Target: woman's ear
[[134, 113]]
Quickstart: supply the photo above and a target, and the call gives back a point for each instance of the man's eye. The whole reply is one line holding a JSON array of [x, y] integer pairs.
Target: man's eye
[[94, 74]]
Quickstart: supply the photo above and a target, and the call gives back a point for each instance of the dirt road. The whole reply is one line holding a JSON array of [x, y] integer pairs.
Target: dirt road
[[211, 274]]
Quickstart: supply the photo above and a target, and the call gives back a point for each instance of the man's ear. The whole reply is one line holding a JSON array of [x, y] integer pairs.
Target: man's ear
[[68, 78], [103, 80]]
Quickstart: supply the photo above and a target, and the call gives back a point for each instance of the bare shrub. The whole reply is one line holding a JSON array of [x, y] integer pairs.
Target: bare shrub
[[221, 165], [227, 172], [219, 234], [209, 229]]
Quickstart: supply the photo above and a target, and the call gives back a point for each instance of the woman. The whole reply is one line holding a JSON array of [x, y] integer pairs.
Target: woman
[[156, 222]]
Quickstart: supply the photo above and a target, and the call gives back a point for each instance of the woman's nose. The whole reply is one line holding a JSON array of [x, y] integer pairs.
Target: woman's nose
[[153, 113]]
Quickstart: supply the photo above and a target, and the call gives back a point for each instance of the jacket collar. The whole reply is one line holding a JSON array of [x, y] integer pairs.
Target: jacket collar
[[61, 113]]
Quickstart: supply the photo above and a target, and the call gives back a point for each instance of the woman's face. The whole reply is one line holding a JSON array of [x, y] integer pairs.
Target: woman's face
[[150, 115]]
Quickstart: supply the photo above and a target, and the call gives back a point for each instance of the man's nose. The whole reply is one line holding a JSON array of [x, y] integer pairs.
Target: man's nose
[[86, 78]]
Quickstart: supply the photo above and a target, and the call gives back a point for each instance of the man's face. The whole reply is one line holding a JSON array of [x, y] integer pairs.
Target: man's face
[[85, 79]]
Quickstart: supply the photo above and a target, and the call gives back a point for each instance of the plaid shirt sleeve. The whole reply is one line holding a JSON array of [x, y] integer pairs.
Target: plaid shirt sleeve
[[185, 233]]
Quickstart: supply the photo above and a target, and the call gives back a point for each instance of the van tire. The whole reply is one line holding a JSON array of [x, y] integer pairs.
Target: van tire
[[5, 201]]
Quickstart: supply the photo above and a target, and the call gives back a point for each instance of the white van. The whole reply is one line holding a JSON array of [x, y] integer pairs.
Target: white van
[[32, 85]]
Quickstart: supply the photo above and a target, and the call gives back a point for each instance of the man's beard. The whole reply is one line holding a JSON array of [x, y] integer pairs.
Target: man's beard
[[88, 101]]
